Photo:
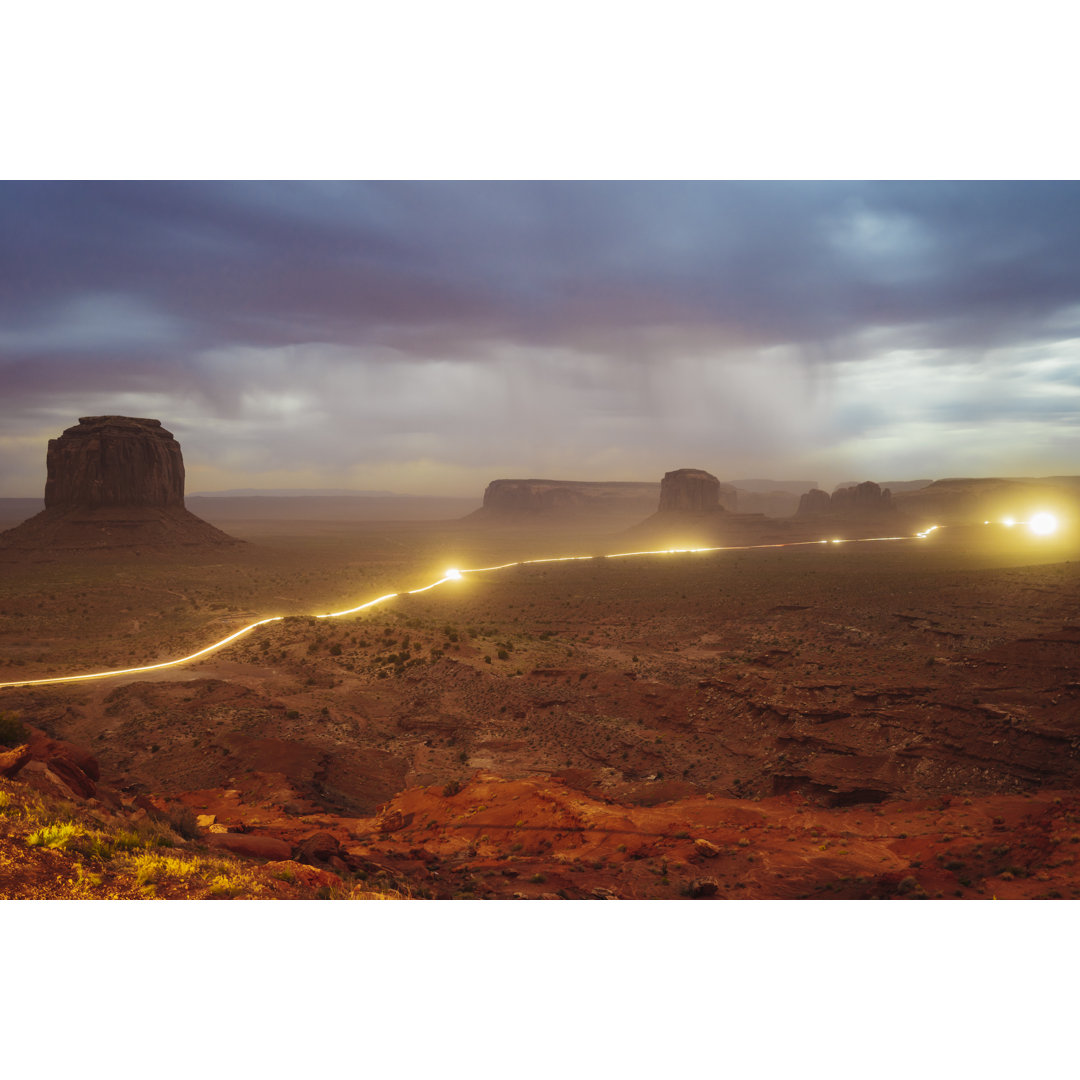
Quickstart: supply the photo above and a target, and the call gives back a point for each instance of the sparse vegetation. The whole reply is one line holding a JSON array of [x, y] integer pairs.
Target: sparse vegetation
[[12, 730]]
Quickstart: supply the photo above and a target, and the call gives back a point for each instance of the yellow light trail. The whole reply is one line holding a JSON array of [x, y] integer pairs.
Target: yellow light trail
[[449, 575]]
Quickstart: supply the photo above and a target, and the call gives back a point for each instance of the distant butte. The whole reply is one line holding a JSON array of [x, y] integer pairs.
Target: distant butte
[[694, 491], [113, 482], [574, 497], [858, 499]]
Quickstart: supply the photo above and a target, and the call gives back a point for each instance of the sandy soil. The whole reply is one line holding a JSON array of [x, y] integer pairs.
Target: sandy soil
[[794, 689]]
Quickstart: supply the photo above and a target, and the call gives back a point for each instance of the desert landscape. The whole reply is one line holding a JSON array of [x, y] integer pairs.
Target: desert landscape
[[876, 696]]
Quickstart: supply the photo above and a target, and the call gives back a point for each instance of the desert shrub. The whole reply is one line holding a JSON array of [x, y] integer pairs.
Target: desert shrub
[[452, 788], [12, 731], [59, 835], [225, 885], [150, 868], [183, 820]]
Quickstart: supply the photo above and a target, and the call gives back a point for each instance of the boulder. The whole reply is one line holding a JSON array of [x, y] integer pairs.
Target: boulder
[[320, 847], [44, 748], [258, 847], [310, 877], [73, 777], [11, 761]]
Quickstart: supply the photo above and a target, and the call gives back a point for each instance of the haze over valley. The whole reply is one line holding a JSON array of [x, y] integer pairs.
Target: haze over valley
[[481, 572]]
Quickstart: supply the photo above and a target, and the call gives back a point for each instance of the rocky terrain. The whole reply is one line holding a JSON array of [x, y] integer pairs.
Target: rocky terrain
[[113, 482], [827, 721]]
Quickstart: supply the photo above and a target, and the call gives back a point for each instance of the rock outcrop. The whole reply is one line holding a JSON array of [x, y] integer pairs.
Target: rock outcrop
[[864, 498], [113, 482], [859, 500], [690, 491], [119, 461], [561, 497], [815, 501]]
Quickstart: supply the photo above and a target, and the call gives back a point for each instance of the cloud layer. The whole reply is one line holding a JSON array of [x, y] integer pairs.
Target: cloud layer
[[432, 336]]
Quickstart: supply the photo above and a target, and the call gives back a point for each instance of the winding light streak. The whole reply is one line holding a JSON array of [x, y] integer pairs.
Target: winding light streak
[[455, 574]]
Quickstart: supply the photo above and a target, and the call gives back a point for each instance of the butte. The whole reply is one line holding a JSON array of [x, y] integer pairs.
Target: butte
[[114, 482]]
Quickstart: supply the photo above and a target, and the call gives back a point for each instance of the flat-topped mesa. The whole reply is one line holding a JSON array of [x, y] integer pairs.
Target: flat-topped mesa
[[114, 461], [694, 491], [566, 496], [113, 482]]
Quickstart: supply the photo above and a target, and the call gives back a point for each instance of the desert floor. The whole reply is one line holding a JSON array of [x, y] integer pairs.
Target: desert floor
[[896, 719]]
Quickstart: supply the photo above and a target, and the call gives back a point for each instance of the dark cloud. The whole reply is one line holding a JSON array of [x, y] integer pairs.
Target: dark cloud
[[277, 302]]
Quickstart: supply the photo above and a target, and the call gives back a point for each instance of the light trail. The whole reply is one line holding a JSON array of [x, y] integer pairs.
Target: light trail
[[458, 575]]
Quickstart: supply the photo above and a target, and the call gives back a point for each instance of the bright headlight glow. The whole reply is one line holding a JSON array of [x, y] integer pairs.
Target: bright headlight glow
[[453, 575], [1010, 522], [1043, 524]]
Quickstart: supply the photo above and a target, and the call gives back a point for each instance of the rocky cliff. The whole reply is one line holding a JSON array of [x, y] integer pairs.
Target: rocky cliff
[[114, 461], [694, 491], [567, 496], [112, 482], [861, 499]]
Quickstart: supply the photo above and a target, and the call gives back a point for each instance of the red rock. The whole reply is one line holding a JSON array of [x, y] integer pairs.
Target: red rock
[[258, 847], [11, 761], [72, 776], [394, 820], [113, 481], [318, 848], [692, 490], [114, 461], [44, 748], [310, 877]]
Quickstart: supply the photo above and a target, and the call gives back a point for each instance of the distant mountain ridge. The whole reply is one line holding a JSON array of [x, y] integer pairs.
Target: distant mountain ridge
[[293, 493]]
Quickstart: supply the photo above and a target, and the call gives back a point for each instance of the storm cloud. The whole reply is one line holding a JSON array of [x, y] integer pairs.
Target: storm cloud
[[430, 336]]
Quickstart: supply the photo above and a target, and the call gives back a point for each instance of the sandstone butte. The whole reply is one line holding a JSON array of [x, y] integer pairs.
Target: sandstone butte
[[864, 498], [534, 496], [694, 491], [113, 482]]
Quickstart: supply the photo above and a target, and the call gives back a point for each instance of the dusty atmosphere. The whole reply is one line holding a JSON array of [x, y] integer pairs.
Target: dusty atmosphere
[[878, 719]]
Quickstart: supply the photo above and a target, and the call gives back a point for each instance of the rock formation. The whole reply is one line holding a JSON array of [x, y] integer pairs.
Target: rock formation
[[114, 461], [567, 496], [815, 501], [113, 482], [689, 491], [862, 499]]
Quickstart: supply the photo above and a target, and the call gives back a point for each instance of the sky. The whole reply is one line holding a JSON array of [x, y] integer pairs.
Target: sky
[[428, 337]]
